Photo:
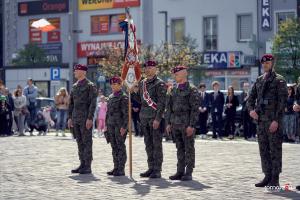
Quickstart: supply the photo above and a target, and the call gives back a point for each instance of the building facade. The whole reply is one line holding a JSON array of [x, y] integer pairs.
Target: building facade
[[19, 16], [271, 14], [99, 22], [231, 34], [1, 33], [223, 29]]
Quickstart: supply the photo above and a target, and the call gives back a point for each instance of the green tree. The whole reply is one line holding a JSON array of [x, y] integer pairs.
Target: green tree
[[112, 61], [170, 55], [166, 55], [29, 55], [286, 48]]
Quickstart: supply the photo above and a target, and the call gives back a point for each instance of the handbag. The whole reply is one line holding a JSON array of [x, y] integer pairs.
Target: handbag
[[24, 110]]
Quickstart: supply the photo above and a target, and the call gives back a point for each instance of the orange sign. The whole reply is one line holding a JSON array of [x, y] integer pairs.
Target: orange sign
[[35, 35], [54, 36], [103, 24]]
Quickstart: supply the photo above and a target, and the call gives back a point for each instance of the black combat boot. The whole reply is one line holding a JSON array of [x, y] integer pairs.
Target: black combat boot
[[176, 176], [110, 173], [188, 175], [274, 180], [86, 169], [146, 173], [265, 181], [75, 171], [119, 172], [155, 174]]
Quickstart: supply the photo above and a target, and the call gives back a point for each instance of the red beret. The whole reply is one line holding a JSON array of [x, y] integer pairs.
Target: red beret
[[115, 79], [80, 67], [178, 68], [267, 57], [150, 63]]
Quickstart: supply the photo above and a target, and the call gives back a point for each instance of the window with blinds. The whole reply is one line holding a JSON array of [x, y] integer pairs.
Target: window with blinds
[[244, 28], [210, 33]]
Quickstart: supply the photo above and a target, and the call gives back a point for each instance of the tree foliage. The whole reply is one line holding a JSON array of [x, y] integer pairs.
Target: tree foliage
[[286, 45], [166, 55], [29, 55]]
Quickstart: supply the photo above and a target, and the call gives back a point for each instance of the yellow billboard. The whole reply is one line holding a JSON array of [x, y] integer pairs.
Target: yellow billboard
[[106, 4]]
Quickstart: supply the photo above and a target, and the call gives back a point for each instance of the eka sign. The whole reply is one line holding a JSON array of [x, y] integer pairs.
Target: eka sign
[[266, 15], [230, 59]]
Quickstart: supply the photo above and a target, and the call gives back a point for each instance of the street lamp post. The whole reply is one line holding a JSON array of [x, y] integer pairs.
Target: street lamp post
[[71, 58]]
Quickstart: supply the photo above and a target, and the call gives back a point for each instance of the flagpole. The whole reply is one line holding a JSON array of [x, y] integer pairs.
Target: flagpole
[[130, 72], [127, 11], [130, 134]]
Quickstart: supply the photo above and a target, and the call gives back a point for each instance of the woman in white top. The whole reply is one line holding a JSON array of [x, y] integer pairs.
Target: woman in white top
[[20, 110], [62, 104]]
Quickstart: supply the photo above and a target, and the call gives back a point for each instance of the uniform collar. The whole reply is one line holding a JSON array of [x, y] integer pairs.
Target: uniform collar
[[81, 82], [116, 94], [182, 86], [151, 80]]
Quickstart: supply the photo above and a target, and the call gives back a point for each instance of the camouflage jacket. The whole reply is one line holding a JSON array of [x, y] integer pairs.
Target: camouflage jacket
[[83, 99], [157, 91], [268, 97], [183, 106], [117, 110]]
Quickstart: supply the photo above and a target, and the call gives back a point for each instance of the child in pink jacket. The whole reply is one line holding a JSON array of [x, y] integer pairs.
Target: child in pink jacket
[[102, 109]]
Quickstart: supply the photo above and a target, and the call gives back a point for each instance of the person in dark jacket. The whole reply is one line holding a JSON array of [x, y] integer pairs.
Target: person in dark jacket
[[216, 109], [40, 124], [4, 115], [11, 108], [290, 117], [203, 110], [249, 126], [231, 104], [136, 107]]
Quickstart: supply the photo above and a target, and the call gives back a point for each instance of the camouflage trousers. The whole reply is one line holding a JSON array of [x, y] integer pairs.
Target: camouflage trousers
[[185, 149], [153, 143], [270, 148], [84, 141], [117, 142]]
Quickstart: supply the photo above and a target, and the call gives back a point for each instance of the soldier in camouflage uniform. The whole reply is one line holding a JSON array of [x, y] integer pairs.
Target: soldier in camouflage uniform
[[152, 95], [266, 104], [116, 121], [182, 114], [81, 112]]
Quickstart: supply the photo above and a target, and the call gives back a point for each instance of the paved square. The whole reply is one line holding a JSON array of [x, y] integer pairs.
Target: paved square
[[39, 168]]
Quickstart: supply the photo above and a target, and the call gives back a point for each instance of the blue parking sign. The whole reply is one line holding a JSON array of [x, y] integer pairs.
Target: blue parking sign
[[55, 73]]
